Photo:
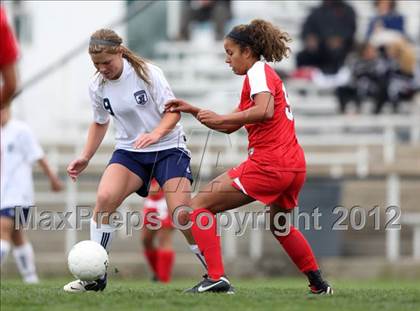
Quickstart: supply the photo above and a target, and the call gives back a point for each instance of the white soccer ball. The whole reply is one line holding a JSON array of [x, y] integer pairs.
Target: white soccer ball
[[88, 260]]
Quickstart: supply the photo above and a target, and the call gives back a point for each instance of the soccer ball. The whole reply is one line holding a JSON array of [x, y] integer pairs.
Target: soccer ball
[[87, 260]]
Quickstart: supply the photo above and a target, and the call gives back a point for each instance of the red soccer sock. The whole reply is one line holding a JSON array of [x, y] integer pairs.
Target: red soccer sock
[[151, 256], [165, 263], [299, 250], [208, 241]]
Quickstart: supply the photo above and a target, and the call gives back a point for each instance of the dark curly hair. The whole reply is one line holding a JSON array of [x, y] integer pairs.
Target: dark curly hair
[[263, 38]]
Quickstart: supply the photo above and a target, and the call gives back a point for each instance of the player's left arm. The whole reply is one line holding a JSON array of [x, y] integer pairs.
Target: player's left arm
[[226, 128], [166, 125], [262, 110]]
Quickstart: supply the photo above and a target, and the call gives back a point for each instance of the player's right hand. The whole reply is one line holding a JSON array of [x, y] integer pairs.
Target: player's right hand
[[178, 105], [56, 184], [76, 167]]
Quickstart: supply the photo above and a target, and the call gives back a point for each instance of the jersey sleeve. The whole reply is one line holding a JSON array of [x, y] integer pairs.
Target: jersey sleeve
[[160, 89], [8, 45], [31, 147], [100, 115], [259, 81]]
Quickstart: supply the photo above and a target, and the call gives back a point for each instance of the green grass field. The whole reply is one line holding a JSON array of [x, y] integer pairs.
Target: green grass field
[[258, 294]]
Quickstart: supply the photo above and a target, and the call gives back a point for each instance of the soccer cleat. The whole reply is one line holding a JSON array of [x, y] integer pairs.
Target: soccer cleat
[[31, 279], [79, 286], [231, 290], [317, 285], [208, 285]]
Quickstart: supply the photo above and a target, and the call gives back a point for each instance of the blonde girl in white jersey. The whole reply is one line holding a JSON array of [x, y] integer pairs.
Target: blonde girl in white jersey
[[149, 141]]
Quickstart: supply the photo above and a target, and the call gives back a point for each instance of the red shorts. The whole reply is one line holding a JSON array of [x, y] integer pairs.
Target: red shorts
[[268, 185], [158, 214]]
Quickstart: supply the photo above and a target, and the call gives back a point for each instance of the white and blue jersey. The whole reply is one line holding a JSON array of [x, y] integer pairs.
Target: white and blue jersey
[[135, 106]]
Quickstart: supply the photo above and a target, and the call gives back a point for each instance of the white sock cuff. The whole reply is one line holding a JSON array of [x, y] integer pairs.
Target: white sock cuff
[[102, 235], [4, 245], [194, 248], [4, 250], [23, 249], [101, 227]]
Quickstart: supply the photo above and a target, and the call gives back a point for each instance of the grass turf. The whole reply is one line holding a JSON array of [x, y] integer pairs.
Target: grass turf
[[256, 294]]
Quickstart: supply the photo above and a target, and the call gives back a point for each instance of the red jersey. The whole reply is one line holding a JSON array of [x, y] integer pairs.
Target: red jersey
[[272, 143], [8, 46]]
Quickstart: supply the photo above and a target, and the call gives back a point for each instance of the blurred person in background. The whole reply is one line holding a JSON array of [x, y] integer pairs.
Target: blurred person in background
[[370, 75], [217, 11], [8, 59], [19, 151], [327, 36], [386, 33], [402, 83], [387, 17], [157, 242], [275, 170]]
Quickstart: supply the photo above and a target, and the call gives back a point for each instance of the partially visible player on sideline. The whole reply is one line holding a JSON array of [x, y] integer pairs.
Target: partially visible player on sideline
[[157, 242], [19, 151], [8, 59], [274, 172], [150, 143]]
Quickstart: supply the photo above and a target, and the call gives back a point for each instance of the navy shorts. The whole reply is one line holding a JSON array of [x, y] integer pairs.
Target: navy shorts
[[162, 165], [13, 212]]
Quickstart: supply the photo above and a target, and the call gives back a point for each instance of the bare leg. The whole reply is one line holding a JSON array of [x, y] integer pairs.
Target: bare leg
[[219, 196], [165, 238], [116, 184], [18, 238], [148, 238], [6, 228], [178, 194]]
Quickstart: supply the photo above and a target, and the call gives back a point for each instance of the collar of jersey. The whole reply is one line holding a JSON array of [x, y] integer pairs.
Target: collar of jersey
[[255, 65]]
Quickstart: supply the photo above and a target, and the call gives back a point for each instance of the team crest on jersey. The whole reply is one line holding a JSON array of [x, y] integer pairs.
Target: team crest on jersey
[[141, 97]]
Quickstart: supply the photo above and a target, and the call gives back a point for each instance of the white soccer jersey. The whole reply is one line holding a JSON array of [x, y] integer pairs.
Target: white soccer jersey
[[135, 107], [159, 205], [19, 150]]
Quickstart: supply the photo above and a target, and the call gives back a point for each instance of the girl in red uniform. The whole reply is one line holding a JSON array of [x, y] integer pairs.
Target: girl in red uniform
[[274, 172], [160, 255]]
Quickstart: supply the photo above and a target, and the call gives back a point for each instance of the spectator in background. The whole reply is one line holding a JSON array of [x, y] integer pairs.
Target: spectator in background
[[327, 35], [387, 18], [219, 12], [382, 74], [402, 84], [386, 32], [8, 59], [369, 79]]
